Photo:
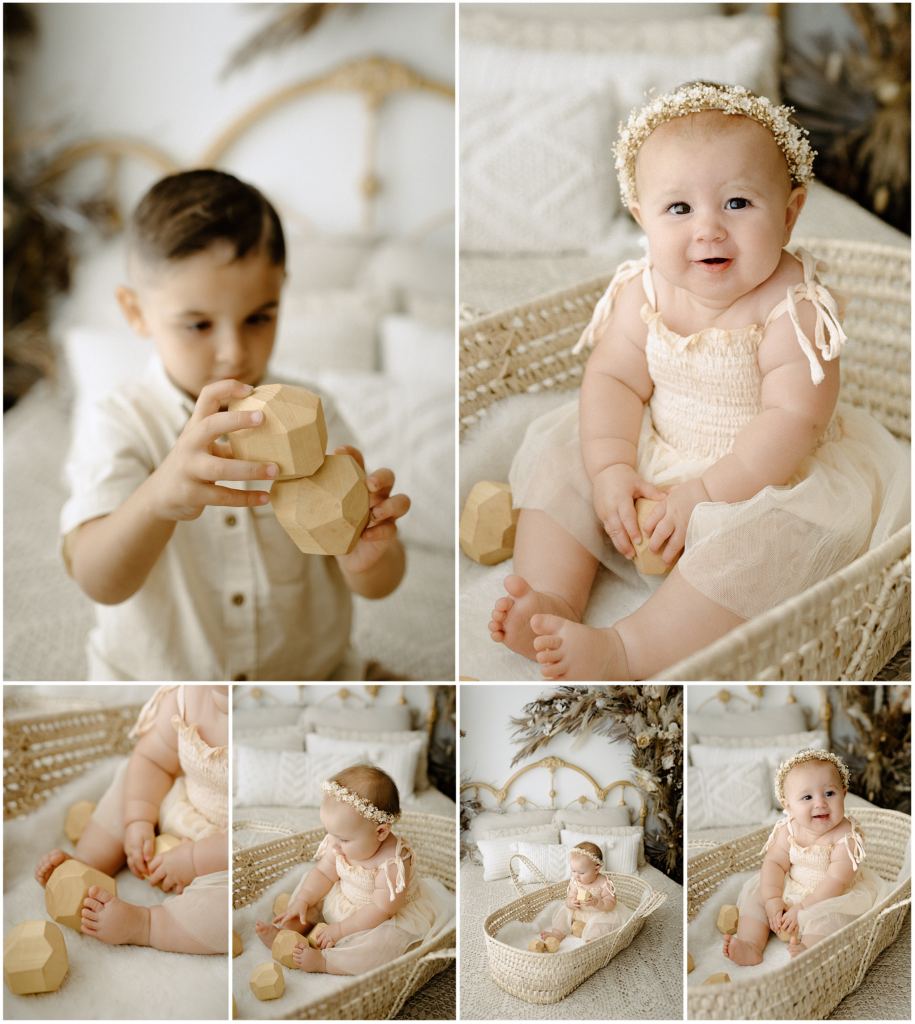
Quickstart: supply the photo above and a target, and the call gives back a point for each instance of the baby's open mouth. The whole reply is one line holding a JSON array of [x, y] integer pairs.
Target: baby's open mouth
[[821, 817], [715, 259]]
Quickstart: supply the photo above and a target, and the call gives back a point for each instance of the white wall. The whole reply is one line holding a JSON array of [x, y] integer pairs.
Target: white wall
[[152, 72], [418, 697], [486, 751]]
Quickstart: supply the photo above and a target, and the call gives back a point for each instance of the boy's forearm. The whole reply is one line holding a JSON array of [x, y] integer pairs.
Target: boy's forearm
[[115, 553], [211, 854], [610, 420], [383, 577], [145, 787]]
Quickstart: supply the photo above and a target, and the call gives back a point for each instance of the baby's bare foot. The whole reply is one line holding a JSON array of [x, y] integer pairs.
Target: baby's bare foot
[[308, 959], [553, 934], [570, 650], [45, 867], [111, 920], [795, 948], [741, 952], [266, 933], [511, 616]]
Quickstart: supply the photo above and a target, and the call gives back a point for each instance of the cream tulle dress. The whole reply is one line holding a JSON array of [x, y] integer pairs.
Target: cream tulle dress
[[196, 807], [849, 495], [597, 922], [808, 869], [422, 911]]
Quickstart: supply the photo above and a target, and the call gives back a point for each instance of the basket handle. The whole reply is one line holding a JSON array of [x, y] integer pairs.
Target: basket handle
[[264, 826], [435, 954], [872, 938], [654, 900], [534, 868]]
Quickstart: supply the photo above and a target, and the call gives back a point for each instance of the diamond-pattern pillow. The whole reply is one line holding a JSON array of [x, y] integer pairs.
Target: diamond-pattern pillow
[[719, 797], [551, 859]]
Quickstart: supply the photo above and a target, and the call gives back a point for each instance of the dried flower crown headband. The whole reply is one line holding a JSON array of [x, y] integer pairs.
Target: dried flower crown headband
[[809, 755], [585, 853], [365, 807], [699, 96]]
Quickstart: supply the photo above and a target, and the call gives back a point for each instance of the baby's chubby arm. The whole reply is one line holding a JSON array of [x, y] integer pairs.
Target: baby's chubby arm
[[375, 913], [318, 883], [614, 391], [775, 866], [114, 554], [795, 413], [839, 876]]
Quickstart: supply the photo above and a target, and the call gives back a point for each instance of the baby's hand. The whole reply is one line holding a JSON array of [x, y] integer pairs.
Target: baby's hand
[[184, 484], [296, 911], [789, 919], [614, 492], [328, 936], [174, 868], [139, 844], [668, 520], [381, 529], [775, 908]]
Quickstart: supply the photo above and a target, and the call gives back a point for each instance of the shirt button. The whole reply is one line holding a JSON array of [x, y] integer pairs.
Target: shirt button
[[230, 520], [238, 599], [240, 678]]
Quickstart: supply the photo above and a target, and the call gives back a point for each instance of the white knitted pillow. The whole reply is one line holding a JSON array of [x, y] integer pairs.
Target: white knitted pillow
[[420, 739], [628, 830], [731, 761], [278, 778], [551, 859], [280, 737], [620, 852], [397, 759], [728, 798], [496, 852]]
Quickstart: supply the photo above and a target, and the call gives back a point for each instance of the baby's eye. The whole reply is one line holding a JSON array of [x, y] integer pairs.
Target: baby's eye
[[806, 797], [260, 318], [737, 199], [199, 327], [678, 208]]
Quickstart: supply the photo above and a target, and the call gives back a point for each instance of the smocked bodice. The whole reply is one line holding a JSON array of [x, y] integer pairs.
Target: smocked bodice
[[810, 863], [595, 889], [358, 883]]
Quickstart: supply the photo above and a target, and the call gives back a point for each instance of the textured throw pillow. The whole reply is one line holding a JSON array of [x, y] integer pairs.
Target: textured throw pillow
[[397, 759], [497, 851], [551, 859], [373, 719], [765, 722], [816, 740], [603, 817], [718, 798], [489, 824], [621, 853], [628, 830], [410, 736], [283, 737], [277, 778]]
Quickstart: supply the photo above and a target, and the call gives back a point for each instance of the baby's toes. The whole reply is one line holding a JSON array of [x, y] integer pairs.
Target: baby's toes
[[554, 669], [547, 642], [504, 606], [90, 905]]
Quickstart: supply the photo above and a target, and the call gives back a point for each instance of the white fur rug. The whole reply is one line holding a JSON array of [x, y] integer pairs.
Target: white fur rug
[[301, 988], [520, 933], [102, 982]]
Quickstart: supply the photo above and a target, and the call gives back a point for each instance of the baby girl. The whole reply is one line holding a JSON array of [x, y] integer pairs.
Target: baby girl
[[811, 883], [364, 885], [712, 390], [597, 913], [178, 777]]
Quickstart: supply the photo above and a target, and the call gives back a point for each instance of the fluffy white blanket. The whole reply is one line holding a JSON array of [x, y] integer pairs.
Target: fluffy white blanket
[[301, 988], [102, 982]]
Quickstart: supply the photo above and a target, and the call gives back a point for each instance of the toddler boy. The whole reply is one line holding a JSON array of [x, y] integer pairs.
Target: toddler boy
[[194, 579]]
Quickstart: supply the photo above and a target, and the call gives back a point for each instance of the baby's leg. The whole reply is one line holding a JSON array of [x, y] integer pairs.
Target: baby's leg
[[268, 932], [675, 621], [96, 847], [746, 947], [553, 575], [795, 947], [555, 933]]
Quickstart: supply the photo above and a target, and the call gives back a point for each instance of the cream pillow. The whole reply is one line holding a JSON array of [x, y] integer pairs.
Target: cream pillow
[[280, 778], [620, 852], [285, 737], [491, 824], [406, 736], [765, 722], [604, 817], [551, 859], [817, 740], [718, 798], [397, 759], [395, 718], [628, 830], [497, 851]]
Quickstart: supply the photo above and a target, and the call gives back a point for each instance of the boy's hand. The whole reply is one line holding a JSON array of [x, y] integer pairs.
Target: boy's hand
[[381, 528], [174, 868], [184, 483], [139, 844], [614, 491], [668, 520]]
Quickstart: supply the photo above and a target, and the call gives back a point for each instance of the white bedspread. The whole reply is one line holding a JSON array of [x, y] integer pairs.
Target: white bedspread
[[102, 982]]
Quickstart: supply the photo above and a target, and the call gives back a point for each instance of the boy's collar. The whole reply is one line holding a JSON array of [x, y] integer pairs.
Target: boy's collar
[[174, 397]]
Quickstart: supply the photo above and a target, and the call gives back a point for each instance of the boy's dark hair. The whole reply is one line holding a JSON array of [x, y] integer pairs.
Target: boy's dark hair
[[186, 213], [372, 784]]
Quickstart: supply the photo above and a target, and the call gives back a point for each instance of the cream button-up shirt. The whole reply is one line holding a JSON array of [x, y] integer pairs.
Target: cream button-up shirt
[[231, 597]]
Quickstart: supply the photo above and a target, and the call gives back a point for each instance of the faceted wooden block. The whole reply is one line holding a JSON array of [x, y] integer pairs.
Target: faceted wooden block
[[267, 981], [326, 512], [488, 523], [34, 958], [292, 433], [165, 842], [68, 886], [234, 1009], [552, 944], [582, 894], [283, 945], [577, 928], [727, 919], [237, 947], [646, 561], [77, 817], [690, 963], [716, 979], [313, 934], [537, 946], [784, 936], [281, 903]]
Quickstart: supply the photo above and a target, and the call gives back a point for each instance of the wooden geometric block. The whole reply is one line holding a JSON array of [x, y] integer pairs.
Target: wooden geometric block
[[281, 903], [785, 936], [488, 523], [582, 894], [237, 947], [690, 963], [552, 944], [77, 817], [313, 934], [282, 947], [68, 886], [727, 919], [577, 928], [267, 981], [716, 979], [292, 433], [34, 958], [165, 842], [324, 513], [646, 561], [537, 946], [234, 1009]]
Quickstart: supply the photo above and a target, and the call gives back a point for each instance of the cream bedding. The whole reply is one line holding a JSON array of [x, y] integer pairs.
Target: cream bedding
[[643, 982]]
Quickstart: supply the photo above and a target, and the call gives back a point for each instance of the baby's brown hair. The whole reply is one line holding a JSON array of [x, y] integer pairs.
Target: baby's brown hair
[[186, 213], [372, 784]]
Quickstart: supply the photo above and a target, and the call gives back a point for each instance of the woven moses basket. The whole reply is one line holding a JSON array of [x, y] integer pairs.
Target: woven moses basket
[[550, 977], [379, 994], [811, 986], [847, 626]]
